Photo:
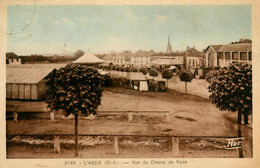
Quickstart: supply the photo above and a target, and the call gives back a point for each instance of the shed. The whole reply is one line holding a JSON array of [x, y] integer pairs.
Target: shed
[[27, 81], [137, 81]]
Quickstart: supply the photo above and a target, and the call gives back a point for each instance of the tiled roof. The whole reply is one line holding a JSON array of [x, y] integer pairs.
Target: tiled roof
[[29, 73], [26, 76], [35, 66], [216, 47], [11, 55], [242, 47]]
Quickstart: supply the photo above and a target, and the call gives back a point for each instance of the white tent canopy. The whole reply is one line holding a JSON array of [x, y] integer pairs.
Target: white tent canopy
[[172, 67], [88, 59]]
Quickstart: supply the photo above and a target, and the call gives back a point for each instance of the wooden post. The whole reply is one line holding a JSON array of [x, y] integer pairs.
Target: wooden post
[[116, 145], [57, 144], [15, 116], [240, 151], [52, 117], [185, 87], [175, 145], [130, 116], [76, 134]]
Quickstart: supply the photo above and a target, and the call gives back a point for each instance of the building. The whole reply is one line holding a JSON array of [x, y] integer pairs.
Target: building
[[27, 81], [122, 59], [194, 58], [141, 58], [223, 55], [118, 60], [12, 58]]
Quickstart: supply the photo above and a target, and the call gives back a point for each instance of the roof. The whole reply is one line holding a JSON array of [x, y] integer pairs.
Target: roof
[[216, 47], [135, 76], [242, 47], [11, 55], [26, 76], [167, 62], [119, 57], [143, 53], [35, 66], [29, 73], [88, 59], [173, 54]]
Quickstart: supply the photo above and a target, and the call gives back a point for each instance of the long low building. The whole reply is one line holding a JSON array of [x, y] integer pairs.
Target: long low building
[[223, 55], [27, 81]]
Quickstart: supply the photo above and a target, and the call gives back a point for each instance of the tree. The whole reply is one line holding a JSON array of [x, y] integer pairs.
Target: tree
[[242, 40], [74, 89], [153, 72], [134, 69], [127, 69], [144, 71], [231, 90], [78, 53], [167, 74], [186, 76]]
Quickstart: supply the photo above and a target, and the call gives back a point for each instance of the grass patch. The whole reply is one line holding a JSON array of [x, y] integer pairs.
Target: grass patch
[[169, 95]]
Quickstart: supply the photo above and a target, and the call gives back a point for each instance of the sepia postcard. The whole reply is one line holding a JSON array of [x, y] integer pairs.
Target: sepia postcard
[[129, 83]]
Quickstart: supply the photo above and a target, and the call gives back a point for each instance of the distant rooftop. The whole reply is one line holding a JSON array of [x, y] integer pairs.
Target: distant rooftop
[[242, 47], [11, 55], [29, 73]]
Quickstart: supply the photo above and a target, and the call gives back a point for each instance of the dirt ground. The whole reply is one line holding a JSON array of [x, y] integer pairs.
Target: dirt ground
[[106, 151], [188, 115]]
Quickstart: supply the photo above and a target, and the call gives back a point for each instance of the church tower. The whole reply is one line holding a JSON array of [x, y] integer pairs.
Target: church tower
[[169, 47]]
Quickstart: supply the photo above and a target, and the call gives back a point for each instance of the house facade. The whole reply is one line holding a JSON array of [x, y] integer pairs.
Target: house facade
[[223, 55], [12, 58], [118, 60], [193, 61], [141, 58]]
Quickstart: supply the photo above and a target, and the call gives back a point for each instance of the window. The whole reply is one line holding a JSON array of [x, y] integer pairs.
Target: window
[[243, 56], [220, 55], [235, 56], [227, 55], [250, 56]]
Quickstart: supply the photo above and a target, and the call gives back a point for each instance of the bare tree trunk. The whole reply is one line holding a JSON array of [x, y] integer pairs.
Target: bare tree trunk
[[240, 150], [185, 87], [245, 118], [76, 135]]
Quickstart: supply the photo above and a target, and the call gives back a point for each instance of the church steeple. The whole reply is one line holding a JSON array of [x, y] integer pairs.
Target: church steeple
[[169, 47]]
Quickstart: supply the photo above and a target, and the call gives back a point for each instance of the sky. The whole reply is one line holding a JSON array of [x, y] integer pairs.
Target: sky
[[105, 28]]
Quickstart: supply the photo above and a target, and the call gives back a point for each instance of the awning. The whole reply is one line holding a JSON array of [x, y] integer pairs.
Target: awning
[[135, 76]]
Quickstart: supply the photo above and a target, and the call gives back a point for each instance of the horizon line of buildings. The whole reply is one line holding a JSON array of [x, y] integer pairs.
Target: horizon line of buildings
[[212, 56]]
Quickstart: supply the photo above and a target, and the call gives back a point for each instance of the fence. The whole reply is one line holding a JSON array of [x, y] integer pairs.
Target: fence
[[174, 139], [129, 114]]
